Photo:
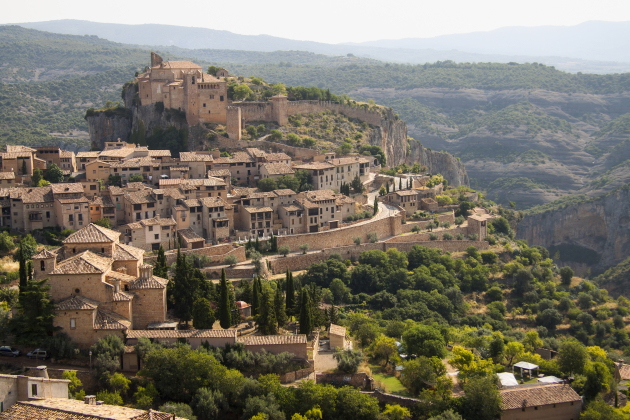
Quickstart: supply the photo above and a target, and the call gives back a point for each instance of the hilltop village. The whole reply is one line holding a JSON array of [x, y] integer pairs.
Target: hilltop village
[[174, 275]]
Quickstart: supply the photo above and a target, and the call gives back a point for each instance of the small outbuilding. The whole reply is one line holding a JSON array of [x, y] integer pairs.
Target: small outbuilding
[[337, 335], [525, 366]]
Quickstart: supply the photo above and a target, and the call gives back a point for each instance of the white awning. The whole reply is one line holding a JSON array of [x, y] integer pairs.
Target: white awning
[[526, 366], [507, 379], [550, 380]]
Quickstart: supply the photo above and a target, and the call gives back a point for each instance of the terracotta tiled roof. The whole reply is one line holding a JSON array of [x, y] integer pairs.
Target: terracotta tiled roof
[[194, 157], [535, 396], [44, 254], [180, 333], [192, 203], [107, 320], [159, 222], [73, 200], [406, 192], [140, 197], [19, 148], [255, 152], [153, 415], [274, 157], [117, 275], [204, 182], [254, 209], [291, 207], [238, 157], [315, 165], [66, 154], [337, 330], [244, 191], [214, 202], [173, 181], [86, 262], [189, 235], [277, 168], [116, 190], [13, 155], [321, 195], [217, 173], [350, 160], [76, 303], [37, 195], [136, 162], [284, 192], [88, 154], [344, 200], [271, 340], [122, 297], [159, 153], [92, 234], [103, 200], [174, 193], [124, 252], [7, 175], [152, 283]]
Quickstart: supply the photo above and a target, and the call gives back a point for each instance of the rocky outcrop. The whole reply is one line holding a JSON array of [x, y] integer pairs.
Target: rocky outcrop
[[391, 136], [593, 234], [103, 127]]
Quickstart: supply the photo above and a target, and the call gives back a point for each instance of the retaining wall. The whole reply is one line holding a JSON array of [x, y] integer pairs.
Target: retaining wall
[[357, 380], [424, 236], [392, 399]]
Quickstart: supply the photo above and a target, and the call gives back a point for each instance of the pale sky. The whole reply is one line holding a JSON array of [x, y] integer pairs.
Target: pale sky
[[330, 21]]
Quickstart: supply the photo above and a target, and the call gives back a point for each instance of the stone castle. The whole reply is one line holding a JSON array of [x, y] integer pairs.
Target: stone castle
[[182, 85]]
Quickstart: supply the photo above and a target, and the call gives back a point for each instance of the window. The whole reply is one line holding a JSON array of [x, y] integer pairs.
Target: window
[[150, 228], [157, 236], [80, 217], [221, 98], [43, 265], [73, 323], [48, 215], [33, 390], [92, 187], [70, 218]]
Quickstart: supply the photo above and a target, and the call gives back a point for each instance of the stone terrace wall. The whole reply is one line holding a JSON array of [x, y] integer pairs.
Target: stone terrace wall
[[417, 237], [407, 227], [392, 399], [217, 253], [307, 107], [357, 380], [343, 236], [448, 246], [296, 152]]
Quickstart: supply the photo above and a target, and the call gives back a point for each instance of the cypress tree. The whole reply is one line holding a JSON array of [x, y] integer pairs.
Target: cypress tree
[[186, 288], [394, 186], [257, 244], [161, 268], [306, 321], [255, 298], [225, 316], [279, 308], [290, 294], [375, 205], [22, 271], [267, 324], [29, 269], [400, 184], [387, 187], [24, 167]]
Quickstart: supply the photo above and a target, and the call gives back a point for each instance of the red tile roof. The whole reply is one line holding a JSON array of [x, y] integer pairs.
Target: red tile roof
[[536, 396]]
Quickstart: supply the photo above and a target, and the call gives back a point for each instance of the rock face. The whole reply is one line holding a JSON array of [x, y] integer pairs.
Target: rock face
[[104, 128], [595, 234], [391, 136]]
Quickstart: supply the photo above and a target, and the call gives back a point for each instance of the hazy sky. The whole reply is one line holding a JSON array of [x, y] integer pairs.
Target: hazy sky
[[331, 21]]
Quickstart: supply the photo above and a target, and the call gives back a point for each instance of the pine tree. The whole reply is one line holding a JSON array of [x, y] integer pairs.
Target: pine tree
[[225, 315], [290, 294], [375, 205], [255, 298], [267, 324], [161, 268], [306, 321], [281, 313]]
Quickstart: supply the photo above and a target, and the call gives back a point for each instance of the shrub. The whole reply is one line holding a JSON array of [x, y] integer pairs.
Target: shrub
[[372, 237], [251, 130], [182, 410], [357, 240], [447, 236], [473, 236], [261, 128], [294, 139], [304, 248], [416, 228], [350, 218], [433, 237], [110, 398], [491, 240], [459, 236], [136, 178], [446, 225], [459, 220], [275, 135], [284, 250], [348, 361], [230, 259]]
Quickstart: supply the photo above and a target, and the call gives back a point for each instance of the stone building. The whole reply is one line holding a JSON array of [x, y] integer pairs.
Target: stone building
[[547, 402], [199, 164], [322, 173], [7, 179], [100, 285], [150, 234], [20, 388], [64, 159], [325, 208], [404, 198], [275, 170], [337, 337], [184, 86]]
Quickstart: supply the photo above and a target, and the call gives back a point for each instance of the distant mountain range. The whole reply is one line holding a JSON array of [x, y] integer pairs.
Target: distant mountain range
[[594, 47]]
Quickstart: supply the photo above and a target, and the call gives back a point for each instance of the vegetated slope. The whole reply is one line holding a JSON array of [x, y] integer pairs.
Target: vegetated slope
[[557, 130], [616, 279]]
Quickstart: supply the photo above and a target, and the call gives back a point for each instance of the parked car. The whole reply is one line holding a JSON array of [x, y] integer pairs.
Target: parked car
[[37, 354], [9, 351]]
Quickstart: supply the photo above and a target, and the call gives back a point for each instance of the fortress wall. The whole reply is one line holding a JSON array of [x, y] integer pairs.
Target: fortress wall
[[307, 107], [256, 111]]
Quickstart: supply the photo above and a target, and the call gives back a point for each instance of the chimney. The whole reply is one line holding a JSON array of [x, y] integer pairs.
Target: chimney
[[42, 372], [90, 399], [146, 271], [116, 285]]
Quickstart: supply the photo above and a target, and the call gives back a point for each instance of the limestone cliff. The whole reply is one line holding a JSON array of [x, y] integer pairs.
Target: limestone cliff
[[103, 127], [594, 234], [392, 137]]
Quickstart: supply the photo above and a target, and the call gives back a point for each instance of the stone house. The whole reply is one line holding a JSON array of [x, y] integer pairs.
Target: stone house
[[428, 204], [216, 338], [199, 163], [322, 173], [190, 239], [223, 174], [350, 167], [102, 207], [292, 216], [100, 285], [15, 157], [406, 199], [478, 224], [258, 221], [7, 179], [547, 402], [243, 168], [64, 159], [143, 166], [276, 344], [337, 336], [150, 234], [275, 170], [83, 158], [325, 208], [20, 388]]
